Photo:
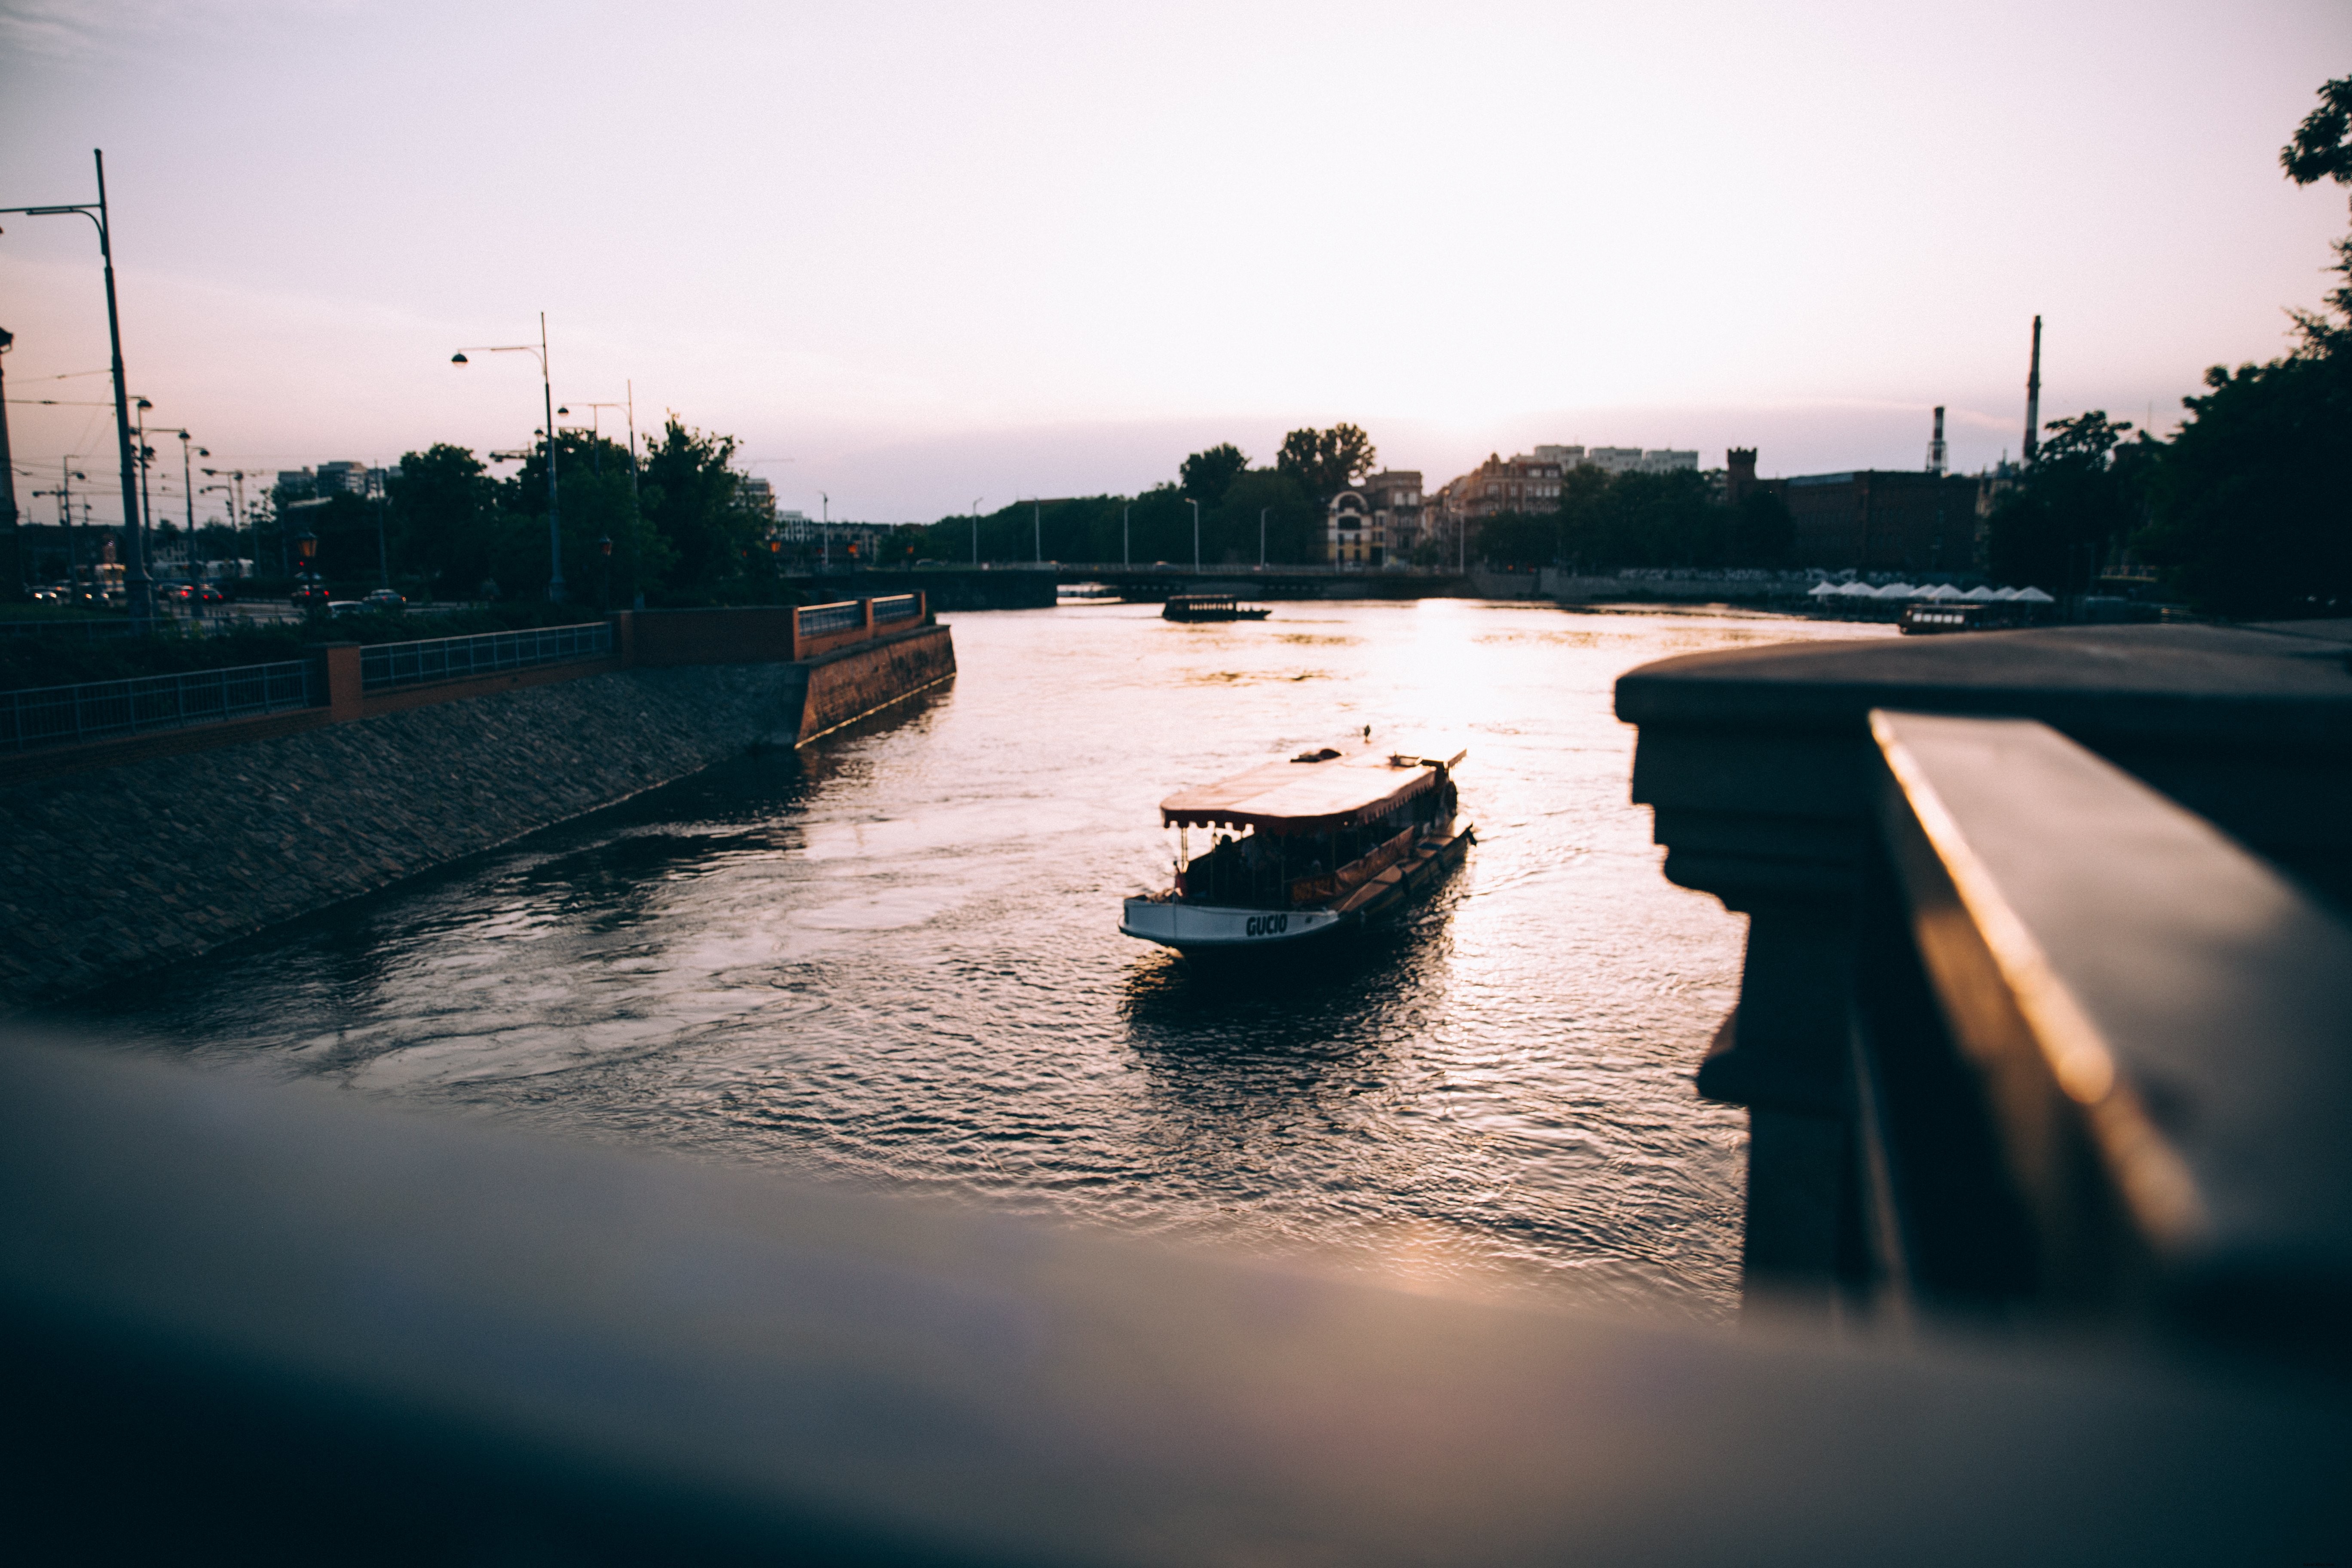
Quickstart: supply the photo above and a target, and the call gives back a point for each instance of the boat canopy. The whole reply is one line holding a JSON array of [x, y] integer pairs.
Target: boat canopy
[[1316, 792]]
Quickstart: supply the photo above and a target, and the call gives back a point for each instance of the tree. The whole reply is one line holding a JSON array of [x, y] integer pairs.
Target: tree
[[2080, 496], [1326, 462], [693, 500], [444, 506], [2248, 512], [1208, 475]]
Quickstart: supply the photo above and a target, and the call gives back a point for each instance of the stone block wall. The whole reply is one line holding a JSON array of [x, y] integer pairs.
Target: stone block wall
[[109, 871]]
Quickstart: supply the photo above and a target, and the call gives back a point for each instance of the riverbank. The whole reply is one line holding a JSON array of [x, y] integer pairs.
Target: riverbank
[[109, 871]]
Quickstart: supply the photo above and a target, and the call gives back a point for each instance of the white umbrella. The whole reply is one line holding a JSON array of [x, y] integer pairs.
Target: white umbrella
[[2004, 595], [1821, 590], [1896, 590], [1858, 590], [1941, 591], [2033, 596], [1979, 595]]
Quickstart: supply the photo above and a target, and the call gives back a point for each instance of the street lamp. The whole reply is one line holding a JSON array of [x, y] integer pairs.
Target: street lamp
[[554, 512], [975, 529], [146, 456], [188, 483], [1261, 536], [1196, 533], [305, 547], [141, 594]]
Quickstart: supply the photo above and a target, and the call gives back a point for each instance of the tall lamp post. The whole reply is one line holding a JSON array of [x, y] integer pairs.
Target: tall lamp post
[[975, 529], [554, 511], [1126, 547], [188, 483], [146, 456], [141, 592], [1196, 534], [1261, 536], [237, 510], [15, 577]]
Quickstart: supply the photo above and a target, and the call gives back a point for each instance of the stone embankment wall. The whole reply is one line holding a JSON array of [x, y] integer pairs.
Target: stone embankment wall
[[848, 686], [109, 870]]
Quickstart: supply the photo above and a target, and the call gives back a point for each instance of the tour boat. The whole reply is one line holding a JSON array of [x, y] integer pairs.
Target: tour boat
[[1328, 840], [1209, 607]]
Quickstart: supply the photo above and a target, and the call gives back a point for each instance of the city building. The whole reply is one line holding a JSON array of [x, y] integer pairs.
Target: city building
[[1666, 460], [1396, 501], [1351, 536], [340, 479], [1614, 459], [1521, 483], [759, 495], [1619, 459]]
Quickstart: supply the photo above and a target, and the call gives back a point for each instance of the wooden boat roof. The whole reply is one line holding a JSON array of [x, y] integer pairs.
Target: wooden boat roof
[[1316, 792]]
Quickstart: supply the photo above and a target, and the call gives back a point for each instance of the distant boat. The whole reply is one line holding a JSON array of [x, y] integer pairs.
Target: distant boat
[[1325, 842], [1210, 607]]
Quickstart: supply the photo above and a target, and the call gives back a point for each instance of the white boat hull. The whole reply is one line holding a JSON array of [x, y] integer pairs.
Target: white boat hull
[[1194, 926]]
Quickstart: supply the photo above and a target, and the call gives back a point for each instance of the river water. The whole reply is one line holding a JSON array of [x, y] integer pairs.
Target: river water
[[893, 959]]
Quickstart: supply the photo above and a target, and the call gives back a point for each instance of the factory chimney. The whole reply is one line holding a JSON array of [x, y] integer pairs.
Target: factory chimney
[[1935, 446], [2033, 395]]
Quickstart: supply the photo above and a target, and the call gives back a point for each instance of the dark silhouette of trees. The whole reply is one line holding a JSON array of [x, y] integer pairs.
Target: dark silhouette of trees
[[1207, 475], [1326, 462]]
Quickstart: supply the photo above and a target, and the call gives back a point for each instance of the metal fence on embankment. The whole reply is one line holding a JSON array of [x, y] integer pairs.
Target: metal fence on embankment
[[107, 709], [385, 667], [822, 620], [897, 608]]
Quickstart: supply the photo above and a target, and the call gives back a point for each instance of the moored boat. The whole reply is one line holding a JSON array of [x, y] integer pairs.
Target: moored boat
[[1301, 850], [1210, 607]]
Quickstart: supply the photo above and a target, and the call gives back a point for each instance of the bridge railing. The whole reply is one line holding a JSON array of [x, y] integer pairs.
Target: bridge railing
[[293, 1326], [385, 667], [109, 710], [2021, 1035]]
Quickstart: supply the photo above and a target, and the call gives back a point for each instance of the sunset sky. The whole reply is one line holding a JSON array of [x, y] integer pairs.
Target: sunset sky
[[916, 254]]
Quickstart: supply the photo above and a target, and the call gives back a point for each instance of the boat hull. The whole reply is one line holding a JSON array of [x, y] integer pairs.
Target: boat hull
[[1200, 927], [1214, 928]]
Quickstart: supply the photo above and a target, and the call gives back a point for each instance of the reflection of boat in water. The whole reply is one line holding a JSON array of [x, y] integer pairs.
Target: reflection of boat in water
[[1209, 607], [1323, 842]]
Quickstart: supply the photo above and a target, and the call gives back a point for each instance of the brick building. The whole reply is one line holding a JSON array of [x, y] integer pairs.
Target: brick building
[[1875, 520]]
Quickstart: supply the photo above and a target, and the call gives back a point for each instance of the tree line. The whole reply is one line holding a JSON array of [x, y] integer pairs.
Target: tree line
[[2241, 510], [679, 526]]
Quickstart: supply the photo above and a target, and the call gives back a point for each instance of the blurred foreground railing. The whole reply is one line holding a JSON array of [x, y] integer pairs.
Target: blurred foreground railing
[[2046, 1011], [253, 1322], [384, 667], [109, 709], [898, 607]]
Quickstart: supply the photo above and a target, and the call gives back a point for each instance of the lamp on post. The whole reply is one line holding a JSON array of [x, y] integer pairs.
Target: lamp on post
[[555, 509], [188, 485], [975, 530], [140, 592], [146, 456], [1196, 533]]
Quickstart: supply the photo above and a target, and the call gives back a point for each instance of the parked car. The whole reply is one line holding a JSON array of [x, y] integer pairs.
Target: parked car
[[309, 594], [385, 599], [339, 608], [208, 594], [55, 594], [177, 592]]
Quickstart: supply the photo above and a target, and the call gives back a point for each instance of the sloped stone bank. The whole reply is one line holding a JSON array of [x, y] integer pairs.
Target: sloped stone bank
[[108, 872]]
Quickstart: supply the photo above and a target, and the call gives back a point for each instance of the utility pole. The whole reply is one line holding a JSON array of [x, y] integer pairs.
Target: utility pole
[[1196, 534], [1261, 536], [13, 574], [975, 529], [2033, 395], [188, 483], [1037, 522], [1126, 549]]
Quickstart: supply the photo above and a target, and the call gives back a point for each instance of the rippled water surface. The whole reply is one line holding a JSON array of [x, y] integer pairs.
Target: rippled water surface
[[893, 958]]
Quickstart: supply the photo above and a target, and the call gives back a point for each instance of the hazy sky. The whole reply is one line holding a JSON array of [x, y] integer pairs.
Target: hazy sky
[[913, 254]]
